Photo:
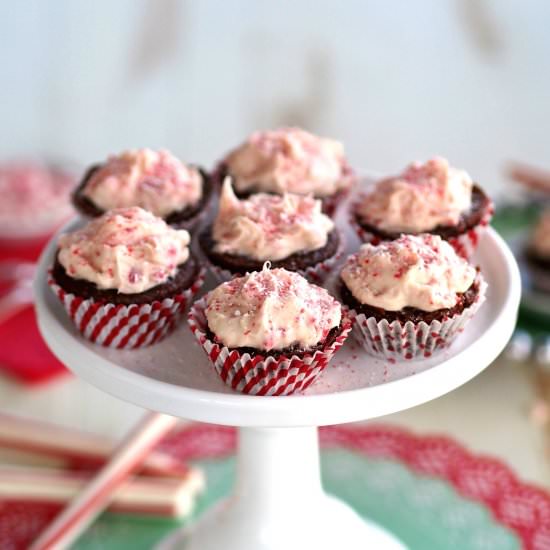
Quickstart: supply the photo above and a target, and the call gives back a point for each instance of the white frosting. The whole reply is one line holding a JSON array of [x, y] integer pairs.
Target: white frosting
[[422, 272], [540, 238], [271, 309], [128, 249], [269, 227], [34, 199], [154, 180], [421, 198], [289, 160]]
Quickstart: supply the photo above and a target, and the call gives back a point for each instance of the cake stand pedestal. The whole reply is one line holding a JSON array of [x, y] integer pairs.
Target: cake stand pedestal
[[278, 501]]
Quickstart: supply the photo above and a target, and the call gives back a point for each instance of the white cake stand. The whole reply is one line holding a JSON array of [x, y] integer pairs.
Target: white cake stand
[[278, 501]]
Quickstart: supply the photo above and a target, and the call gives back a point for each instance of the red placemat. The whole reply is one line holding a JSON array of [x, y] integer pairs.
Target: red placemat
[[23, 353]]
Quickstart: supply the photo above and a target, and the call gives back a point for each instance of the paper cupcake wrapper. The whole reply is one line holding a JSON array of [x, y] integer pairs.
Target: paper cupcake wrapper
[[259, 375], [465, 244], [315, 274], [125, 326], [396, 341]]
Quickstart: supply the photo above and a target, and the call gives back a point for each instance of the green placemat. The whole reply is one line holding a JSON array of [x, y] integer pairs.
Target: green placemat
[[425, 513]]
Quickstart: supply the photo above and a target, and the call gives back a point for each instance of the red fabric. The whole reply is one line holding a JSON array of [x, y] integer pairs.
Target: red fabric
[[23, 353]]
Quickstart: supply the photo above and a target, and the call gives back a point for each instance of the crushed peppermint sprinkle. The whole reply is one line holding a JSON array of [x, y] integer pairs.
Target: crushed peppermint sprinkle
[[421, 271], [289, 160], [105, 253], [269, 226], [423, 197], [271, 309], [154, 180]]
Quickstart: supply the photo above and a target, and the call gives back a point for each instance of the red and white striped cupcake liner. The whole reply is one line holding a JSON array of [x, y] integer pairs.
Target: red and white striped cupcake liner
[[125, 326], [465, 244], [397, 341], [263, 375]]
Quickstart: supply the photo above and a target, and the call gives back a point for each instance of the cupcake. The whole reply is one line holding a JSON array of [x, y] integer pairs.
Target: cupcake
[[269, 332], [34, 200], [538, 253], [290, 160], [125, 278], [426, 198], [288, 230], [154, 180], [411, 296]]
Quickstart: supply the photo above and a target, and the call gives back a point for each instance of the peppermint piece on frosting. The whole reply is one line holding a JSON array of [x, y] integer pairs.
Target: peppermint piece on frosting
[[540, 238], [269, 227], [422, 272], [423, 197], [289, 160], [271, 309], [154, 180], [127, 249]]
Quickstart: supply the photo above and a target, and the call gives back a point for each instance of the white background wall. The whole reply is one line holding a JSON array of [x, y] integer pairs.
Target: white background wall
[[469, 79]]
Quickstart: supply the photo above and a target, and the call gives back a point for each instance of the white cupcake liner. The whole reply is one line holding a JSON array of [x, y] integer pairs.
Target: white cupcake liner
[[258, 374], [125, 326], [465, 244], [315, 274], [396, 341]]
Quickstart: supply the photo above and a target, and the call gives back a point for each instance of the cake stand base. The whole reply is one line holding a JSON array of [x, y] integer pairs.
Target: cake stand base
[[337, 526], [278, 503]]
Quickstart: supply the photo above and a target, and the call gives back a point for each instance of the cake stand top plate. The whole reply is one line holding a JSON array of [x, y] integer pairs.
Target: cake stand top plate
[[175, 376]]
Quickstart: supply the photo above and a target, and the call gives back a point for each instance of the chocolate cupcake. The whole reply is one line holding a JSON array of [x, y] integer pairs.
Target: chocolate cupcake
[[411, 296], [269, 332], [154, 180], [290, 231], [289, 160], [426, 198], [125, 278], [537, 253]]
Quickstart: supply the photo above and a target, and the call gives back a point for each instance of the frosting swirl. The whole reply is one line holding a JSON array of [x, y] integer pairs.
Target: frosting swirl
[[289, 160], [540, 238], [421, 198], [271, 309], [154, 180], [269, 227], [128, 249], [422, 272], [34, 198]]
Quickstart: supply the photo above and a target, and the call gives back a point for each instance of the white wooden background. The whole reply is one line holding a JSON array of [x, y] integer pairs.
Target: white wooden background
[[469, 79]]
